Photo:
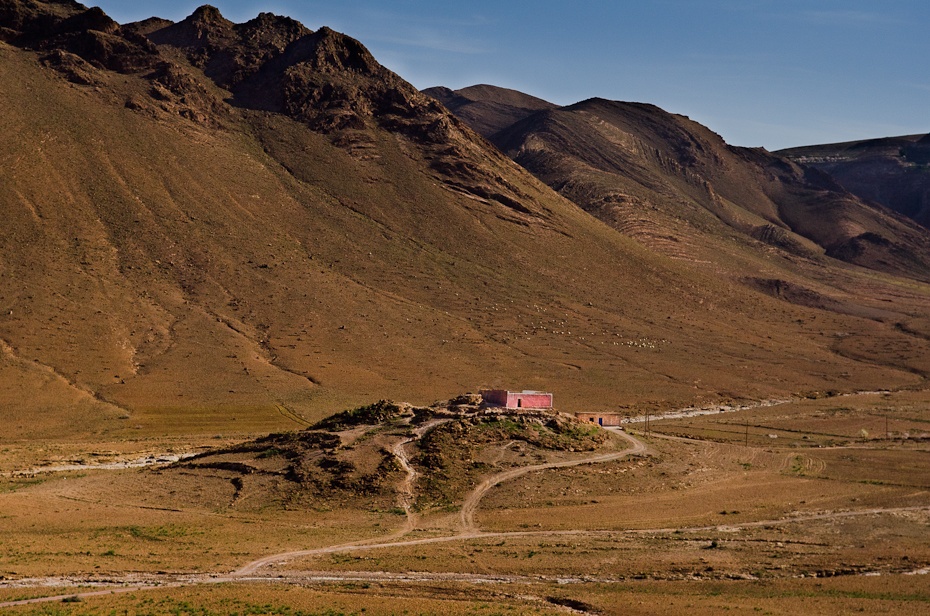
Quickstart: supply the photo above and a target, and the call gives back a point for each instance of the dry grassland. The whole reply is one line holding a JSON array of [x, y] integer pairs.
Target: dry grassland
[[292, 600], [837, 596], [701, 522]]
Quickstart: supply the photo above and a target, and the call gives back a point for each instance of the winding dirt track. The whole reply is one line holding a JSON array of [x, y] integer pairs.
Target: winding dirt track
[[405, 490], [252, 572], [249, 573], [470, 504], [468, 531]]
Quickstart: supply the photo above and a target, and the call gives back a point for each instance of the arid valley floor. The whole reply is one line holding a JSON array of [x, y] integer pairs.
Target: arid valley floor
[[803, 506]]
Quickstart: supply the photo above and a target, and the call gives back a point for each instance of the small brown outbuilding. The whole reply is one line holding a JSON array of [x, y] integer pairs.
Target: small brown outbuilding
[[601, 419]]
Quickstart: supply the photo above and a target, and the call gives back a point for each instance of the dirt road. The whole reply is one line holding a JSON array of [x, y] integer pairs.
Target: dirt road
[[697, 411], [470, 504], [251, 572], [468, 530], [467, 517]]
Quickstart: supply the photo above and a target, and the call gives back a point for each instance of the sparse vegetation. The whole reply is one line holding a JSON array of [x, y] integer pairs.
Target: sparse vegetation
[[452, 455], [371, 414]]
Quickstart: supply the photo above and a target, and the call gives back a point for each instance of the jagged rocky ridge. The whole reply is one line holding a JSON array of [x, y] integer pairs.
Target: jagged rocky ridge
[[332, 83], [324, 79]]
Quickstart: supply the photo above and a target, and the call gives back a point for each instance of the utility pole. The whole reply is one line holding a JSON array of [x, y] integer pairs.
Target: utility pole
[[747, 432]]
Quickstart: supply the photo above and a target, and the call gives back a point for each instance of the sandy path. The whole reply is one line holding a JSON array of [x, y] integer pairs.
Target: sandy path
[[249, 573], [799, 517], [470, 504], [468, 531], [82, 595], [405, 490], [154, 459], [695, 411]]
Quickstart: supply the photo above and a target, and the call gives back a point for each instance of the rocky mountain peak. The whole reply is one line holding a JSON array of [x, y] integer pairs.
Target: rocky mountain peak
[[332, 82], [208, 15], [331, 51], [200, 33], [92, 19], [230, 53], [68, 27], [269, 22]]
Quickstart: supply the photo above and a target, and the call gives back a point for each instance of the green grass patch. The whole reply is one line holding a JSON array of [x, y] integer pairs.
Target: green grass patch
[[14, 485]]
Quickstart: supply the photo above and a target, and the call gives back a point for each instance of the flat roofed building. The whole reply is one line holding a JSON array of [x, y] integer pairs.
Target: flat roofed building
[[601, 419], [517, 399]]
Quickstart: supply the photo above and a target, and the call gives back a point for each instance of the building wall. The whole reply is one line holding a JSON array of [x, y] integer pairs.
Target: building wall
[[528, 400], [601, 419], [494, 396]]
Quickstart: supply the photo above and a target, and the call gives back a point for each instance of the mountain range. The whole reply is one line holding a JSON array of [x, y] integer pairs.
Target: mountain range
[[209, 225], [892, 171], [660, 177]]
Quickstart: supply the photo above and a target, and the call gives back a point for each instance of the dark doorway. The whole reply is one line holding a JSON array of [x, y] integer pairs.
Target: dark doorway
[[600, 421]]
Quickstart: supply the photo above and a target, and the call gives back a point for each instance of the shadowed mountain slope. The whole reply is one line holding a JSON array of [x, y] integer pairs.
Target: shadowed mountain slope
[[205, 236], [488, 109], [228, 53], [892, 171]]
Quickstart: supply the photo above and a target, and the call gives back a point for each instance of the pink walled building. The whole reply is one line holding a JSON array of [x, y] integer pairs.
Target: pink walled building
[[517, 399]]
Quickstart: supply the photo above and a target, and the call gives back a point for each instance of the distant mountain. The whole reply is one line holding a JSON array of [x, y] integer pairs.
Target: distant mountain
[[673, 183], [893, 171], [212, 227], [488, 109]]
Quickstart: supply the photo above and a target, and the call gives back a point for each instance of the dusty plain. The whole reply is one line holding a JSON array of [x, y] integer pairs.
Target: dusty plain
[[806, 506]]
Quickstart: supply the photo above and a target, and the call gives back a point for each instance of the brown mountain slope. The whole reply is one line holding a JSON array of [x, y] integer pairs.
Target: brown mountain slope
[[742, 215], [619, 159], [179, 257], [892, 171]]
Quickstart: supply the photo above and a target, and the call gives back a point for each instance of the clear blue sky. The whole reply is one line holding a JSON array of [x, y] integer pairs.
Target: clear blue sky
[[772, 73]]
